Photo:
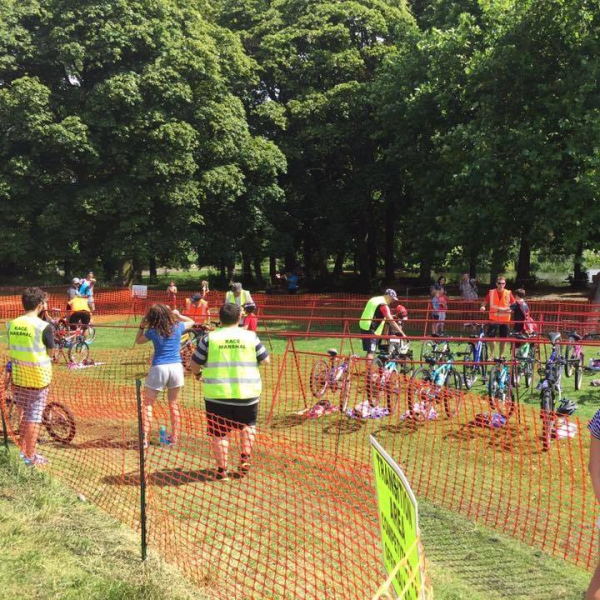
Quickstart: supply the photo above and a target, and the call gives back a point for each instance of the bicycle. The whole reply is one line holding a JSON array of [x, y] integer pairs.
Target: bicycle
[[574, 356], [60, 323], [383, 375], [550, 390], [57, 419], [432, 348], [73, 342], [501, 394], [436, 383], [475, 356], [524, 360], [189, 341], [332, 375]]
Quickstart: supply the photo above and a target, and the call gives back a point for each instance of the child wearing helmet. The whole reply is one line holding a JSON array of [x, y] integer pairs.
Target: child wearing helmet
[[250, 321]]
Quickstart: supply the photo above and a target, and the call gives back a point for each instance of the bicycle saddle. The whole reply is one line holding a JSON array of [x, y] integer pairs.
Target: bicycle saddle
[[430, 360], [554, 337], [332, 352]]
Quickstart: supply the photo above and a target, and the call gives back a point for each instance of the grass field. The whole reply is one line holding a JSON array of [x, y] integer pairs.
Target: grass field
[[466, 561]]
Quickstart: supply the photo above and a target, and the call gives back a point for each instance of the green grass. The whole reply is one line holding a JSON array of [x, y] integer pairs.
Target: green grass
[[55, 546]]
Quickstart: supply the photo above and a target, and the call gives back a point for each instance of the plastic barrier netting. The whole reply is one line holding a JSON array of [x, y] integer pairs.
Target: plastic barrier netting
[[303, 522]]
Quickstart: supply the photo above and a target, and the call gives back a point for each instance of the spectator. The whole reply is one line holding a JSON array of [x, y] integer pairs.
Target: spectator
[[80, 311], [468, 287], [520, 311], [172, 295], [238, 295], [593, 592], [230, 355], [205, 289], [293, 282], [499, 302], [87, 289], [251, 320], [438, 304], [164, 328], [375, 316], [439, 285], [73, 290], [197, 309], [31, 345]]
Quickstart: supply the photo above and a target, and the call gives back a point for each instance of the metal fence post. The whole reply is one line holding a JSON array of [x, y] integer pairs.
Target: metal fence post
[[142, 452]]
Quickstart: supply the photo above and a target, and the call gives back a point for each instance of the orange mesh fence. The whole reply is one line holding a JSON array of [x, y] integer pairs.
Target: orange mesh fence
[[303, 523]]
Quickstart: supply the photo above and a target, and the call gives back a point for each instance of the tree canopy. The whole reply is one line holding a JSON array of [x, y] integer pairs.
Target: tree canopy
[[380, 133]]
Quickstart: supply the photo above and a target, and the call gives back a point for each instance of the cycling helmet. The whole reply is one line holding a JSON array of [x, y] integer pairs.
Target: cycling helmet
[[566, 407], [250, 307]]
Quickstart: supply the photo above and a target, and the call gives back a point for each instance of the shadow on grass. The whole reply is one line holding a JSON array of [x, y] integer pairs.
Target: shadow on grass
[[164, 478], [287, 421], [343, 426], [110, 444]]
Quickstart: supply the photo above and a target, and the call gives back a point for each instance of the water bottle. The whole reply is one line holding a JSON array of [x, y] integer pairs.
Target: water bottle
[[162, 436]]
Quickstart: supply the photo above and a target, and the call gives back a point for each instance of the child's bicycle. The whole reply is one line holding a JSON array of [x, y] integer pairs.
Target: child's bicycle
[[60, 323], [501, 393], [189, 341], [57, 419], [475, 355], [574, 356], [383, 374], [332, 375], [70, 345], [440, 383]]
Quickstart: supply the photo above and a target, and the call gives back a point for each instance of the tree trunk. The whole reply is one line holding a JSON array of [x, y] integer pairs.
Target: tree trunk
[[473, 264], [246, 269], [153, 269], [272, 267], [289, 261], [425, 271], [338, 267], [390, 230], [230, 270], [524, 263], [258, 271], [580, 276], [372, 249], [497, 267], [307, 256], [126, 271], [364, 264]]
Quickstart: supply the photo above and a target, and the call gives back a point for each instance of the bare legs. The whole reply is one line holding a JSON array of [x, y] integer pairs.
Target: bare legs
[[150, 396], [221, 446]]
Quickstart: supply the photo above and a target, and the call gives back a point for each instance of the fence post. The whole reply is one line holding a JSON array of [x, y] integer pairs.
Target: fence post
[[142, 453], [275, 396], [4, 434]]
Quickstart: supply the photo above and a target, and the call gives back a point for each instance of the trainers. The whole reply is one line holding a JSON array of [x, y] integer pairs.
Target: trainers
[[221, 476], [37, 461], [244, 467], [173, 442]]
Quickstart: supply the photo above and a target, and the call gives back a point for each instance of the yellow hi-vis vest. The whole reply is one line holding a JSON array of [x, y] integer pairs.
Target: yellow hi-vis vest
[[231, 370], [366, 319], [31, 365], [243, 298]]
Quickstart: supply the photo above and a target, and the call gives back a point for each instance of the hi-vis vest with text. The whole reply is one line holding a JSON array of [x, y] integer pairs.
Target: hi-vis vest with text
[[231, 370], [495, 314], [231, 299], [31, 365], [366, 318]]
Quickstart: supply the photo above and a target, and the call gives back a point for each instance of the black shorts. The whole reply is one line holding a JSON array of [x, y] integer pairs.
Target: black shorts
[[222, 418], [369, 344], [497, 330], [81, 315]]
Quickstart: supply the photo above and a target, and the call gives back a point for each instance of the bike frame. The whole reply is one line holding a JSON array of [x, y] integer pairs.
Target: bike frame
[[547, 382]]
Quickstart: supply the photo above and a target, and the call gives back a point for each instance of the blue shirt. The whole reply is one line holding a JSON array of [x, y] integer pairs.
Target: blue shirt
[[166, 349], [85, 289], [292, 282]]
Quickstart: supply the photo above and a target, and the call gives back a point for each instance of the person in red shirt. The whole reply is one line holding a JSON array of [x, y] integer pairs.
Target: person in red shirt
[[499, 301], [251, 320]]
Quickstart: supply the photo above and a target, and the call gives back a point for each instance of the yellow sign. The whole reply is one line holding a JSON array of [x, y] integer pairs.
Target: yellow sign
[[399, 520]]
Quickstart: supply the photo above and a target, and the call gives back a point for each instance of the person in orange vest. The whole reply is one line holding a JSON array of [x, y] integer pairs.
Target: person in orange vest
[[197, 308], [499, 301]]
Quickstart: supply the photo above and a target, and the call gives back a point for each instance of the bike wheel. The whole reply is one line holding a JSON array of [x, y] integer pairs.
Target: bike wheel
[[569, 356], [319, 378], [547, 416], [89, 333], [79, 352], [528, 372], [59, 422], [579, 371], [375, 382], [470, 371], [392, 392], [421, 394], [501, 399], [345, 385], [452, 393], [517, 372], [426, 350]]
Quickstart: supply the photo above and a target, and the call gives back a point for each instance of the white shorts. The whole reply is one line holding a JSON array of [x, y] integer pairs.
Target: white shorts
[[165, 376]]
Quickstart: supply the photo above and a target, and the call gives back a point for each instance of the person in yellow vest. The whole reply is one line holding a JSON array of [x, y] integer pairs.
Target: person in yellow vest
[[31, 346], [238, 295], [229, 358], [499, 301], [196, 308], [376, 315]]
